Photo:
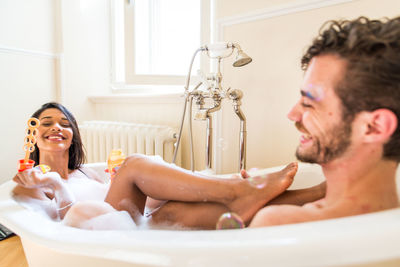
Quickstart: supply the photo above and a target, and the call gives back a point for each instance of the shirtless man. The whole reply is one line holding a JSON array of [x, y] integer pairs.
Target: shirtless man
[[348, 114]]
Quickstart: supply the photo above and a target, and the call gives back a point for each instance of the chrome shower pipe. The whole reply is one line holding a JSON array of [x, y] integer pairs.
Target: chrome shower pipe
[[187, 95]]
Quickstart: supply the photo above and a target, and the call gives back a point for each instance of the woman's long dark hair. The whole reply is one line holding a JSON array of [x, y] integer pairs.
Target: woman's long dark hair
[[76, 152]]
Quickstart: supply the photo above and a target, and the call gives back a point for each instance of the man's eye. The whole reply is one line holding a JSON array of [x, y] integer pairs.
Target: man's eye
[[47, 124], [305, 105]]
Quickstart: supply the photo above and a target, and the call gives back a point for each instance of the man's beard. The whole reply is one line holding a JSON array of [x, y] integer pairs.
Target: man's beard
[[339, 139]]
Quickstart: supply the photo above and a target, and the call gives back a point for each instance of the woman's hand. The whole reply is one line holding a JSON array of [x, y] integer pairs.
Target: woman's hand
[[34, 178]]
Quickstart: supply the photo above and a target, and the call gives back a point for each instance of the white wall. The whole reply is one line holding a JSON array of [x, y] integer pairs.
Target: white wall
[[86, 54], [28, 55], [274, 33]]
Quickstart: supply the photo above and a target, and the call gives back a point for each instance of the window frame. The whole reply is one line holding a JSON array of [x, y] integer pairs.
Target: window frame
[[123, 78]]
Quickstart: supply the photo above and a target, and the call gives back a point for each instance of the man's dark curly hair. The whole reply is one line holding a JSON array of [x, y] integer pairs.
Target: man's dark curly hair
[[372, 80]]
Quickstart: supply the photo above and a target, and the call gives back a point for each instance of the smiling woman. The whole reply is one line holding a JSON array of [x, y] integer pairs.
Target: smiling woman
[[60, 147]]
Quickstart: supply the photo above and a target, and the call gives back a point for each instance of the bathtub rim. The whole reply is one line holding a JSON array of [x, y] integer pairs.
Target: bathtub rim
[[289, 238]]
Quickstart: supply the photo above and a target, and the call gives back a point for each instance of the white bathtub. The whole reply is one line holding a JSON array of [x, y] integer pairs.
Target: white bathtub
[[370, 240]]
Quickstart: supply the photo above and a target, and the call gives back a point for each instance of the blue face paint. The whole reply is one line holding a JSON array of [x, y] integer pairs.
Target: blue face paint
[[309, 95], [315, 93]]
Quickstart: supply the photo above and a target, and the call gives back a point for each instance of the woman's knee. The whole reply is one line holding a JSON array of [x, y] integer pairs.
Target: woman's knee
[[134, 160]]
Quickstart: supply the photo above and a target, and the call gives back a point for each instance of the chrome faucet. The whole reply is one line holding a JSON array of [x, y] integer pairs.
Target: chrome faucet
[[214, 93]]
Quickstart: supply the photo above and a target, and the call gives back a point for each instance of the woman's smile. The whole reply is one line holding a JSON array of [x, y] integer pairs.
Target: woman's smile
[[55, 138]]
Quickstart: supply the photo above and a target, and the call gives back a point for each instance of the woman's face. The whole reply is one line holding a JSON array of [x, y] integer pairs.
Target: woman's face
[[55, 132]]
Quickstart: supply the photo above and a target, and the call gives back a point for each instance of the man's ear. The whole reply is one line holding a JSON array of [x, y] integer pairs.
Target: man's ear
[[381, 124]]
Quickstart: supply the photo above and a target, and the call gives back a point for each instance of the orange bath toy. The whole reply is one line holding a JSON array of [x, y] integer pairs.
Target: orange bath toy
[[114, 161], [29, 145]]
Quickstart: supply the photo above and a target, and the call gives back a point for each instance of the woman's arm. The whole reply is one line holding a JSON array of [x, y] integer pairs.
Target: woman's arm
[[34, 184]]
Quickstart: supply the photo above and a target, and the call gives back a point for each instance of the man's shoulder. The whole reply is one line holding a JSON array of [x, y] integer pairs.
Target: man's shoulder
[[282, 214]]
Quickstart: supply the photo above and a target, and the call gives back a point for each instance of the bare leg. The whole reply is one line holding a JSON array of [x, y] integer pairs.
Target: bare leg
[[191, 215], [249, 203], [139, 177], [206, 215], [296, 197]]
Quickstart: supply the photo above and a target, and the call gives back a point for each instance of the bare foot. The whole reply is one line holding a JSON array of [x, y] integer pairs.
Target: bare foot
[[255, 192]]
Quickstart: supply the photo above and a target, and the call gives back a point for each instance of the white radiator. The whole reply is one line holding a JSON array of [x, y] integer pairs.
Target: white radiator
[[100, 137]]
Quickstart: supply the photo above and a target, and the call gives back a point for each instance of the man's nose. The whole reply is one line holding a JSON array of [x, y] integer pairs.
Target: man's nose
[[295, 113]]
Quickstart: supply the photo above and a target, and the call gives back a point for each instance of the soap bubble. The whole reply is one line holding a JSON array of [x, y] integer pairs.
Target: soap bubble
[[229, 220], [222, 144]]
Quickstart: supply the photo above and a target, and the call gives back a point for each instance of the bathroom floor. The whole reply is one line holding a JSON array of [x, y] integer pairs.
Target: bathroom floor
[[12, 253]]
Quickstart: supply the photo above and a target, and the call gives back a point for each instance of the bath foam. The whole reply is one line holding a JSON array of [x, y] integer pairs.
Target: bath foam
[[117, 220], [90, 194]]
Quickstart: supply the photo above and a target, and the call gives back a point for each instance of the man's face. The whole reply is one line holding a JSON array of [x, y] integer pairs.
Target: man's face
[[318, 113]]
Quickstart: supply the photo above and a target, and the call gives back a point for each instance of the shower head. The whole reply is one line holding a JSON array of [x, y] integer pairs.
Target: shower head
[[219, 50], [241, 59]]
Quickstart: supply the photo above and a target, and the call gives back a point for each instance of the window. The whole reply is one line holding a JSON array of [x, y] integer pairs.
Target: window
[[154, 40]]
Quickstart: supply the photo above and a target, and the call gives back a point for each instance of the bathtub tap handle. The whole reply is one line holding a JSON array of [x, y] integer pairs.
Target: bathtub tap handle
[[235, 94]]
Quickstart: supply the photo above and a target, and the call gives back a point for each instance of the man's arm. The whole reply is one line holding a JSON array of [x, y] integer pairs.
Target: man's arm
[[300, 197]]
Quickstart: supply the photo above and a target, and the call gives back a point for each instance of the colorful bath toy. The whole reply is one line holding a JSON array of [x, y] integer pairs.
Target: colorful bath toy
[[29, 145], [114, 161], [43, 168]]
